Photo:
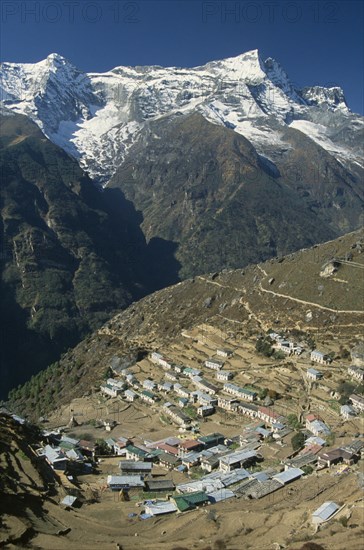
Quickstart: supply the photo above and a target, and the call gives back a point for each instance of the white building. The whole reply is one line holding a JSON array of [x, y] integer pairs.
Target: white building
[[204, 398], [149, 384], [237, 459], [313, 374], [227, 403], [241, 393], [180, 390], [130, 395], [214, 364], [316, 426], [224, 375], [247, 409], [324, 512], [357, 401], [111, 391], [347, 412], [205, 410], [204, 385], [319, 357], [156, 357], [356, 373], [224, 352]]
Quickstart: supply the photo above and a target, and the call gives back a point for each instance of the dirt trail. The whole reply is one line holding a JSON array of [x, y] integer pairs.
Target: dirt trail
[[241, 301], [312, 304]]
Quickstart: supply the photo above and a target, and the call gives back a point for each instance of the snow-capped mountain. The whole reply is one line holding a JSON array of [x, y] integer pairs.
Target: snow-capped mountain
[[97, 117]]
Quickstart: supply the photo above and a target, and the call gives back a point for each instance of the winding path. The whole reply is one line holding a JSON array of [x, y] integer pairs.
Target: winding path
[[313, 304]]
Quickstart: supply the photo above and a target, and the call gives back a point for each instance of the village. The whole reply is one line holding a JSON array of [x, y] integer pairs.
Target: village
[[226, 430]]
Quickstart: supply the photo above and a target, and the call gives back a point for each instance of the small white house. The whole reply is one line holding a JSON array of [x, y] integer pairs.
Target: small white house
[[156, 357], [111, 391], [356, 373], [313, 374], [149, 384], [214, 364], [224, 375], [357, 401], [227, 403], [319, 357], [347, 412], [239, 392], [130, 395], [224, 353], [324, 512]]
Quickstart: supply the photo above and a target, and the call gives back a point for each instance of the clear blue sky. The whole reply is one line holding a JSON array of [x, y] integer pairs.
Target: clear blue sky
[[316, 41]]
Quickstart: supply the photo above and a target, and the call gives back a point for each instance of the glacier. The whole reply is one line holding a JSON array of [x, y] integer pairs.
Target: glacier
[[97, 117]]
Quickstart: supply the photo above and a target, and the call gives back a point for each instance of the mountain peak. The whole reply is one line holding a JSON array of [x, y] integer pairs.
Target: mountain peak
[[278, 76], [56, 58], [332, 98], [246, 65]]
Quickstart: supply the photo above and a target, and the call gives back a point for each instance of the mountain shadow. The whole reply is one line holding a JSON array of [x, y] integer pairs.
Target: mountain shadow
[[205, 188], [72, 255]]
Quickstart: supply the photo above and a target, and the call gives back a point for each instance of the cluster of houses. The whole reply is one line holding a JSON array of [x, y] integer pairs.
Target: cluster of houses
[[288, 347], [227, 474], [208, 397], [233, 468], [230, 471], [204, 396], [65, 453]]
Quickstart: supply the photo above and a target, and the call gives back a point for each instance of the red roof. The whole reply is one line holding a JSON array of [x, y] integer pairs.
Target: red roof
[[314, 449], [87, 444], [268, 412], [167, 448], [189, 444], [311, 417]]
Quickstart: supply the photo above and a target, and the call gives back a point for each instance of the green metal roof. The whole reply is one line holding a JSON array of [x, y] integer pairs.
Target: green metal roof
[[211, 437], [148, 394], [136, 450], [189, 501]]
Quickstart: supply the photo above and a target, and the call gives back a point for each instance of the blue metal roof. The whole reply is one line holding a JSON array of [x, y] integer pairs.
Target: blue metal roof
[[289, 475], [314, 371], [221, 494], [326, 510]]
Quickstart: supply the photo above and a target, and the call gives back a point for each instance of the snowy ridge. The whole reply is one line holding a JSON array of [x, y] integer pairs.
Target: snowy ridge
[[97, 117]]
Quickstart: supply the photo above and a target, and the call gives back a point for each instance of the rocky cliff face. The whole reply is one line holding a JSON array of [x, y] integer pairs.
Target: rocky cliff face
[[71, 256], [206, 188]]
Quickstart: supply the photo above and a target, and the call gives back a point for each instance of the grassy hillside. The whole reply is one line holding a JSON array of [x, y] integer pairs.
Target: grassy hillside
[[238, 302]]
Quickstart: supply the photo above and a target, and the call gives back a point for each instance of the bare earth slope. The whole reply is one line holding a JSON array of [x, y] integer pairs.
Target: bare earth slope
[[284, 294]]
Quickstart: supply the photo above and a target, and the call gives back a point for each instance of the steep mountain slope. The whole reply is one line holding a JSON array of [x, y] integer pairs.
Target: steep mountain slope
[[27, 486], [71, 256], [229, 161], [202, 169], [96, 117], [288, 293], [206, 188]]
